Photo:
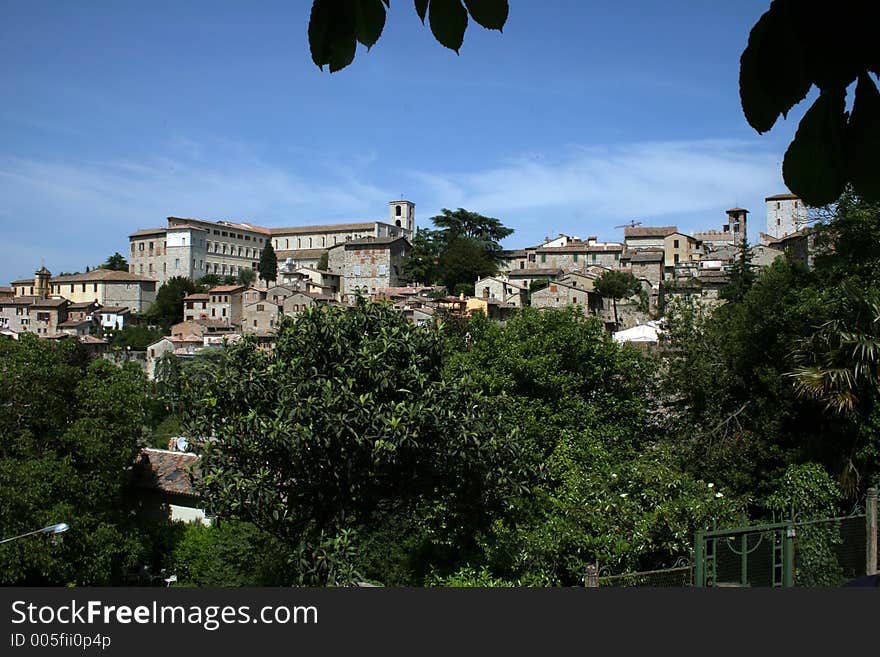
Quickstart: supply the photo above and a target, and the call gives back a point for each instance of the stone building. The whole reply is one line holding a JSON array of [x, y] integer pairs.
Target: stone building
[[261, 317], [368, 265], [298, 302], [107, 288], [225, 303], [195, 306], [501, 289], [786, 214], [196, 247]]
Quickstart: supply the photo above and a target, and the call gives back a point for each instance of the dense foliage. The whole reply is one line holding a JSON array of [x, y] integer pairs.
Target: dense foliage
[[69, 432]]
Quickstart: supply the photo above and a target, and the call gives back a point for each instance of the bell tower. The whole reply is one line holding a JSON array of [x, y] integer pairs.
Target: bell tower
[[41, 282], [403, 215]]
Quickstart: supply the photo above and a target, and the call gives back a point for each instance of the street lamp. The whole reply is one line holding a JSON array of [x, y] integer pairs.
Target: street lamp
[[51, 529]]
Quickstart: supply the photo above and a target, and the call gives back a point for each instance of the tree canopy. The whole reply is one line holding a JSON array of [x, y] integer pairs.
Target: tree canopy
[[348, 418], [464, 247], [167, 309], [69, 433], [616, 285], [268, 265], [116, 262]]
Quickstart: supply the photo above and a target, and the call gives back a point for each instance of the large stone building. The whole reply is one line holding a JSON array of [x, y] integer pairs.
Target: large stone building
[[106, 287], [195, 247], [367, 266]]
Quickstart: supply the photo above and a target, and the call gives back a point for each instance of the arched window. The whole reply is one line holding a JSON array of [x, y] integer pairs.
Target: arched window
[[397, 211]]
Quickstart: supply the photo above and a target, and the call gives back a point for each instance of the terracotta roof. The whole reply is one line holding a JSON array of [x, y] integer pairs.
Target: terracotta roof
[[531, 273], [102, 275], [218, 224], [5, 290], [147, 231], [298, 254], [370, 241], [83, 305], [187, 227], [19, 301], [580, 247], [23, 281], [646, 256], [198, 296], [115, 310], [327, 228], [227, 288], [649, 231], [169, 472], [736, 210], [91, 339], [73, 323], [783, 197], [50, 303], [320, 271]]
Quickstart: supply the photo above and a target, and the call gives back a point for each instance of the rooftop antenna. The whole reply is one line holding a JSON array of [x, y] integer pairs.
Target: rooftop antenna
[[632, 224]]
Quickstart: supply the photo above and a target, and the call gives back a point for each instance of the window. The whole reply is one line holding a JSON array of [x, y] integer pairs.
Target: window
[[674, 244], [522, 264], [260, 307], [357, 270], [381, 270], [255, 323], [531, 257], [397, 212], [140, 246], [151, 246], [574, 299], [177, 263], [543, 257], [675, 258], [94, 287], [83, 287], [132, 247], [575, 257]]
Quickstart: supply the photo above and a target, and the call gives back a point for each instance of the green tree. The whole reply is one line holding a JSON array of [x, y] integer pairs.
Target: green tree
[[462, 262], [485, 232], [347, 418], [578, 404], [465, 247], [268, 265], [616, 285], [741, 275], [116, 262], [136, 336], [69, 433], [167, 309], [246, 277], [335, 28], [323, 261], [421, 264]]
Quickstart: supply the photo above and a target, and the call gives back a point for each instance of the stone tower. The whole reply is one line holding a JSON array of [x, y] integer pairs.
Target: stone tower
[[41, 282], [786, 214], [737, 224], [403, 214]]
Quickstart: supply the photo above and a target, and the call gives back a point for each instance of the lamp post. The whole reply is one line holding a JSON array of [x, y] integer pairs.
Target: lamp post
[[51, 529]]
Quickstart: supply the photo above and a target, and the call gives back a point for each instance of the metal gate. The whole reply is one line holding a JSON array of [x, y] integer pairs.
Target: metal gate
[[825, 552]]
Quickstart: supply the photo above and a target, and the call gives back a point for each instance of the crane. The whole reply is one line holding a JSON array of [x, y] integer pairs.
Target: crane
[[632, 224]]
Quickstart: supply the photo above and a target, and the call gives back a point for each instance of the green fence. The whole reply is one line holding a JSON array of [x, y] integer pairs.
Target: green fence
[[827, 552]]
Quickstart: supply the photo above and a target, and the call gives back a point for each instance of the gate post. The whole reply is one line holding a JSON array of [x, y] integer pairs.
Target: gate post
[[591, 577], [699, 559], [871, 529], [788, 557]]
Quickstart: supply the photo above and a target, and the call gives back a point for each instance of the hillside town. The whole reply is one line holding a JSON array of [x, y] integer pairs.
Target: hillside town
[[365, 259]]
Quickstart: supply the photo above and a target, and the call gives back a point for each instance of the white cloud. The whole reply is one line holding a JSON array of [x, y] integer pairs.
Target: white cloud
[[593, 188]]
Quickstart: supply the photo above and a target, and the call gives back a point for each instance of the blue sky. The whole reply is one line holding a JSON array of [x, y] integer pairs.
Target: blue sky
[[579, 117]]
